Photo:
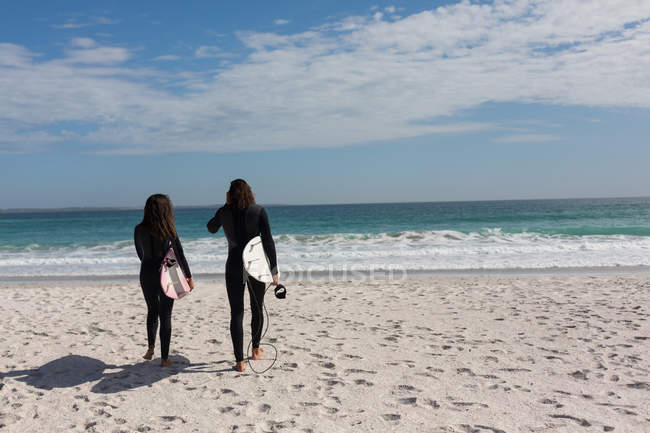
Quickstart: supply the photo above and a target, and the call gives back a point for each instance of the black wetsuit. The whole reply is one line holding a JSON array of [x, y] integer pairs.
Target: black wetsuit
[[151, 251], [240, 226]]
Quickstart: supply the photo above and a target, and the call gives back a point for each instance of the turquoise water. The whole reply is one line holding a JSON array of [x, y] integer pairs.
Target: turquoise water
[[448, 235]]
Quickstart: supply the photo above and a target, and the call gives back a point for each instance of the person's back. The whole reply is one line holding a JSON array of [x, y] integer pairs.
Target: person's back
[[240, 225], [152, 239], [242, 220], [151, 249]]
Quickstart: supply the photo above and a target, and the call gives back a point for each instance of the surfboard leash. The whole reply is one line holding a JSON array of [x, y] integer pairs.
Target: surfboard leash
[[250, 343]]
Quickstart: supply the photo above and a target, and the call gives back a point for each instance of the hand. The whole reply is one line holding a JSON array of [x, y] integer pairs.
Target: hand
[[275, 280], [190, 281]]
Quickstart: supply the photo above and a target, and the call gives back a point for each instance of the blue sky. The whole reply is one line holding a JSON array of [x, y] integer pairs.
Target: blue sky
[[324, 101]]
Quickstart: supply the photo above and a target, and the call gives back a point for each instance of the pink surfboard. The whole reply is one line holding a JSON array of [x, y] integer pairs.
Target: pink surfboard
[[172, 279]]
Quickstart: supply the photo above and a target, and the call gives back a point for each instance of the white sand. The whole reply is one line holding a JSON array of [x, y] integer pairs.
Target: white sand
[[431, 354]]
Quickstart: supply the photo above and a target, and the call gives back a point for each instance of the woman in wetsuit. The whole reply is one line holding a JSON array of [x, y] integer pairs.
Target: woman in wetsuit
[[242, 220], [153, 237]]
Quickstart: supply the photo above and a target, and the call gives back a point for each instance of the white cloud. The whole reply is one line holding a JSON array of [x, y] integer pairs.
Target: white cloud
[[527, 138], [83, 42], [167, 57], [281, 22], [356, 80], [106, 20], [207, 51], [98, 55], [15, 56], [73, 23], [18, 138]]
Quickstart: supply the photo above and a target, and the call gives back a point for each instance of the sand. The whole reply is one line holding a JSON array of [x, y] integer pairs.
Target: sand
[[560, 353]]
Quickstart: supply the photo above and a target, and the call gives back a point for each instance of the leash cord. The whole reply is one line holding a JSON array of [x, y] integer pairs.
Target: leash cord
[[251, 291]]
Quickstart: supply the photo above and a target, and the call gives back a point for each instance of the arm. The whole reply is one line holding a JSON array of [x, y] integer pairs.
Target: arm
[[215, 223], [139, 241], [180, 256], [267, 241]]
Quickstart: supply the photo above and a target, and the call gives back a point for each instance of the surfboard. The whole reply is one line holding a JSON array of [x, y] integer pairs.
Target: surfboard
[[255, 261], [172, 279]]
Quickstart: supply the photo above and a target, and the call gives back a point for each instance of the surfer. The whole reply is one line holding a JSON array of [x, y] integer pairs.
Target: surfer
[[153, 237], [242, 220]]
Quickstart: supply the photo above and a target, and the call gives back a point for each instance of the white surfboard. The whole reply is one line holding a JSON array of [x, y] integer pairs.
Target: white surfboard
[[256, 263]]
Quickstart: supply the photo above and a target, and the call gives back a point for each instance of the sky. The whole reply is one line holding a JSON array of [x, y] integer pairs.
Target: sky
[[105, 103]]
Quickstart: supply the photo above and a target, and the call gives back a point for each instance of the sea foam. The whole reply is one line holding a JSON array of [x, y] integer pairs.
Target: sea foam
[[406, 250]]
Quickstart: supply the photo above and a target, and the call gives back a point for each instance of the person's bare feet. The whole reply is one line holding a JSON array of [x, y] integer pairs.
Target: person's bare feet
[[239, 366], [257, 353], [149, 355], [166, 362]]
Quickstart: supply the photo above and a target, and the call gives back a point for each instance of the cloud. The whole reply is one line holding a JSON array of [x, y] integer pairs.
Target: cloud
[[18, 138], [98, 55], [210, 51], [83, 42], [75, 24], [15, 56], [281, 22], [167, 57], [527, 138], [358, 79], [71, 25], [106, 20]]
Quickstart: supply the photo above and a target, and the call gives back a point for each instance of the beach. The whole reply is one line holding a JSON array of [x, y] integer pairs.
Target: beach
[[454, 193], [425, 353]]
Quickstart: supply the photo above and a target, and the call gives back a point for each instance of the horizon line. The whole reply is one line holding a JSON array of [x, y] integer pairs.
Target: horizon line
[[204, 206]]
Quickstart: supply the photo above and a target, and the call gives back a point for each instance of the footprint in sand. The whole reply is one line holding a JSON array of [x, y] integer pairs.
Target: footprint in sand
[[581, 375], [429, 402], [408, 388], [357, 370], [279, 425], [581, 421], [102, 412], [468, 404], [480, 428], [173, 418], [348, 355]]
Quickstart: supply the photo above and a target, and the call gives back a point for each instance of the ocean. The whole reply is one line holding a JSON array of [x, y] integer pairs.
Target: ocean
[[458, 236]]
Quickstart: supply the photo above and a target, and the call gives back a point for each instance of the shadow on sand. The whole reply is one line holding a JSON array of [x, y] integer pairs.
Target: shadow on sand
[[74, 370]]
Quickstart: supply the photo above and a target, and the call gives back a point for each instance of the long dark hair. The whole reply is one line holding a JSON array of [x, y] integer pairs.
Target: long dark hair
[[241, 194], [159, 216]]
